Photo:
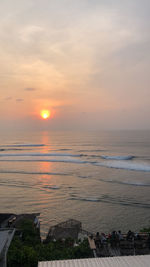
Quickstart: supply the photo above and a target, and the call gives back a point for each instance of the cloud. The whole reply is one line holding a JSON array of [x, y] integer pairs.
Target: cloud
[[8, 98], [19, 99], [88, 54], [29, 89]]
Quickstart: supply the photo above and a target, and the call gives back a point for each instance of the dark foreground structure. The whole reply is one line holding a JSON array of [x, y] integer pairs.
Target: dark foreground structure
[[10, 220], [6, 236], [66, 240], [70, 228], [10, 226], [114, 244], [111, 246]]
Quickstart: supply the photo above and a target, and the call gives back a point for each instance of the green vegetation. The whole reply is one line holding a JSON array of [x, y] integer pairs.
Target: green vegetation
[[26, 249], [145, 230]]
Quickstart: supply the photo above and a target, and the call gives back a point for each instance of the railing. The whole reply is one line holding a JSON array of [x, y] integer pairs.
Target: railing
[[86, 232], [69, 222]]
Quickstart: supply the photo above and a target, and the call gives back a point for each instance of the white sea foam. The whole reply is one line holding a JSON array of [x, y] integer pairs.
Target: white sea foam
[[117, 157], [133, 166], [68, 158]]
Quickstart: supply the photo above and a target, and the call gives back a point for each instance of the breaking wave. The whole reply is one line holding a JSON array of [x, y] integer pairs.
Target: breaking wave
[[117, 157], [94, 150], [133, 166], [24, 145], [122, 162], [65, 149], [67, 160], [111, 200], [11, 149], [39, 155], [55, 187], [33, 173], [92, 199], [125, 182], [85, 176]]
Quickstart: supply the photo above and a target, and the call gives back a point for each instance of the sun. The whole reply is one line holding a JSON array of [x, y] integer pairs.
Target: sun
[[45, 114]]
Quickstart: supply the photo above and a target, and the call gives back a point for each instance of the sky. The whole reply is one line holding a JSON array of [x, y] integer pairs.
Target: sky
[[86, 61]]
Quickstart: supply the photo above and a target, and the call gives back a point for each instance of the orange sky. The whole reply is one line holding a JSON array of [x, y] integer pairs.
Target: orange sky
[[86, 61]]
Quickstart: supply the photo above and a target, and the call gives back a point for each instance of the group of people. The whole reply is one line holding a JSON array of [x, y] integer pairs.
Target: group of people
[[116, 237]]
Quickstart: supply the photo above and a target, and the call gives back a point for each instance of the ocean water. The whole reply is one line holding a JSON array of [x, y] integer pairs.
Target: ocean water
[[99, 178]]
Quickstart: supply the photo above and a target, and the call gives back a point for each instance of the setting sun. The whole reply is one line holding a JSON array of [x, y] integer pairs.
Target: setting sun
[[45, 114]]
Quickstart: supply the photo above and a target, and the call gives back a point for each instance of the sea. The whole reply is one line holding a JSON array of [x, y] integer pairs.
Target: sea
[[99, 178]]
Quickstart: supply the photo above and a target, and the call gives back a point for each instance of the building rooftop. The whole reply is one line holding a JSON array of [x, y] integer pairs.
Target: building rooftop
[[6, 236], [125, 261]]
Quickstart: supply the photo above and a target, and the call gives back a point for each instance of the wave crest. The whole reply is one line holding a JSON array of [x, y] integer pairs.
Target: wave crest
[[117, 157], [23, 145], [39, 155], [132, 166], [111, 200]]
